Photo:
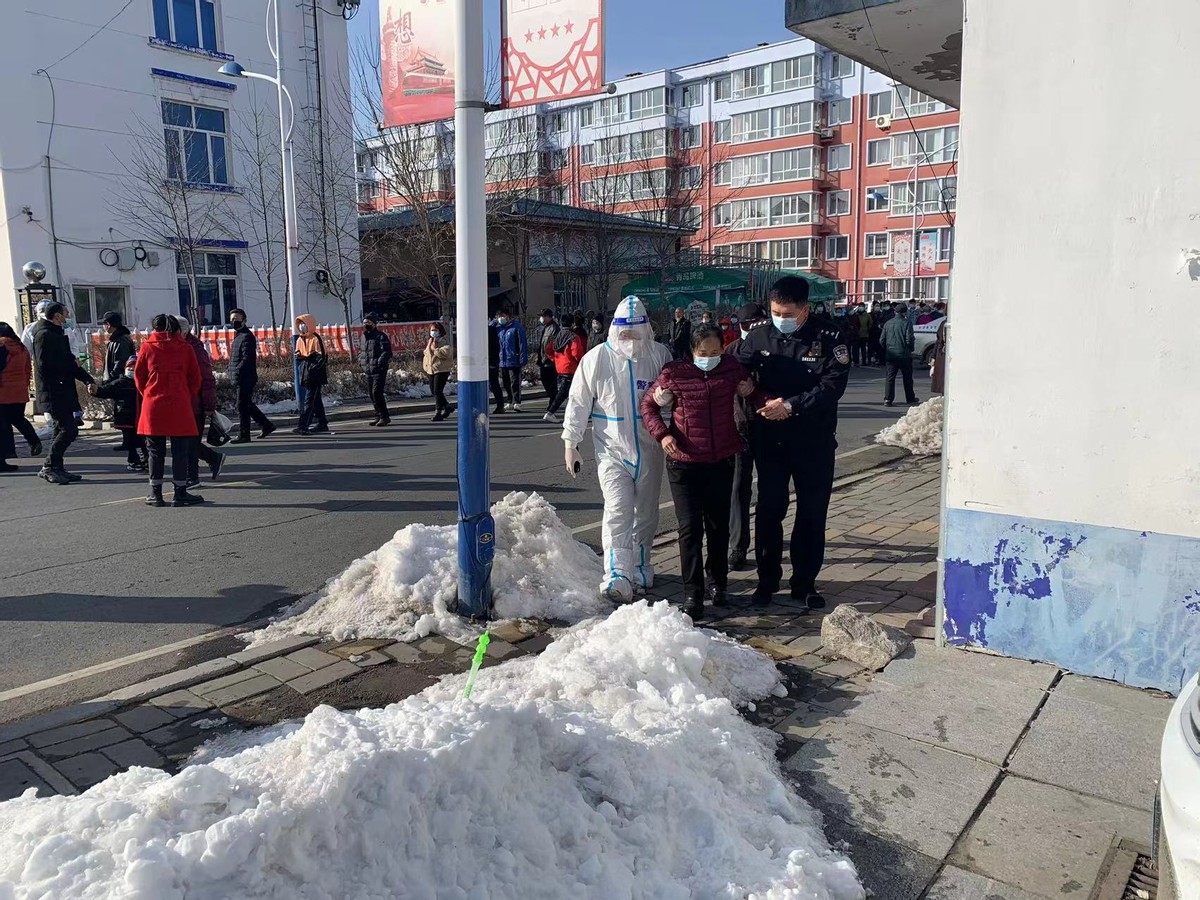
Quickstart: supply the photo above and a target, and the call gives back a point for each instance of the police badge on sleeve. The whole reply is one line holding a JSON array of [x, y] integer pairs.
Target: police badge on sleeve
[[842, 354]]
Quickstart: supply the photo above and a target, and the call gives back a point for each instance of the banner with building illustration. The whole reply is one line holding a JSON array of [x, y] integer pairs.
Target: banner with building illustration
[[417, 60], [927, 253], [551, 49]]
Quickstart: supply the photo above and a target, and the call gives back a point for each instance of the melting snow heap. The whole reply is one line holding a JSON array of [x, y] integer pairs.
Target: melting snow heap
[[614, 765], [403, 590], [919, 431]]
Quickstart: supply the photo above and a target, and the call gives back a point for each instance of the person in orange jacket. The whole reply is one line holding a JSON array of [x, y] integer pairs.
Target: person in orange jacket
[[16, 368], [314, 375]]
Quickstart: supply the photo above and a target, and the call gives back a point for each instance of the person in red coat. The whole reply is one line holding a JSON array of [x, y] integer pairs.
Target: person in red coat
[[204, 404], [701, 440], [15, 371], [566, 350], [168, 378]]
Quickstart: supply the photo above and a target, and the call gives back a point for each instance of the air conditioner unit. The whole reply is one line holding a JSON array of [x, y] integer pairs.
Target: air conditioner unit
[[825, 134], [883, 123]]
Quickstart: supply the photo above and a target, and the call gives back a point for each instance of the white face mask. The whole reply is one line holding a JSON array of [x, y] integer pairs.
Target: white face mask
[[434, 333], [745, 333], [303, 328], [628, 347]]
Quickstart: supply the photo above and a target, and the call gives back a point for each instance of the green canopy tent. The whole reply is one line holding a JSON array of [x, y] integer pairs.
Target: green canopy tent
[[819, 287], [713, 287]]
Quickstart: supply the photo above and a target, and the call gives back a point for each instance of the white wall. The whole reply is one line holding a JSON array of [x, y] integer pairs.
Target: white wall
[[101, 91], [1074, 344]]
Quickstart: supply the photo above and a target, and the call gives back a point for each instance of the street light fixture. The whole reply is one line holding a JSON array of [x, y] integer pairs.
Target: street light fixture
[[287, 123]]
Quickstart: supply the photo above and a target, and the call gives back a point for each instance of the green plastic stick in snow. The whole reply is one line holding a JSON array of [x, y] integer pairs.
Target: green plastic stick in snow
[[480, 650]]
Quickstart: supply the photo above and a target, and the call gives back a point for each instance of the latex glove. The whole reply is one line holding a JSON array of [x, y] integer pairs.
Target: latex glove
[[664, 397], [573, 460]]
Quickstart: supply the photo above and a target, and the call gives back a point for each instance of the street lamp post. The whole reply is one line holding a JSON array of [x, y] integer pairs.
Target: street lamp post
[[476, 530], [287, 123]]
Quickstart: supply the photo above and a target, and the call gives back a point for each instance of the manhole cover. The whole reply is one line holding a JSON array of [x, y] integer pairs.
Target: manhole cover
[[1128, 873]]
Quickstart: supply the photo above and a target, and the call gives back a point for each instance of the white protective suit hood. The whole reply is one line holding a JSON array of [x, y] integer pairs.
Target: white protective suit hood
[[630, 315]]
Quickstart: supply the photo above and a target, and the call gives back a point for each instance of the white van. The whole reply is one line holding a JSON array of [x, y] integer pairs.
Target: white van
[[1178, 807]]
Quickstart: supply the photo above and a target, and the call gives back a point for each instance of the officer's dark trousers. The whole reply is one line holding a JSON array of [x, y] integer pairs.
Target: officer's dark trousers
[[66, 429], [247, 409], [810, 468], [739, 508], [375, 388], [497, 390], [701, 493], [905, 368], [549, 379]]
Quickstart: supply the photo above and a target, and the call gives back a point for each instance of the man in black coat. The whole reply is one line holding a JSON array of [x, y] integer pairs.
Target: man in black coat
[[681, 335], [57, 371], [543, 342], [120, 389], [243, 374], [751, 316], [374, 356]]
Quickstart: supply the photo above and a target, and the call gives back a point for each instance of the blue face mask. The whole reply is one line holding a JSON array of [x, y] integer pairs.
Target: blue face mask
[[706, 363], [785, 326]]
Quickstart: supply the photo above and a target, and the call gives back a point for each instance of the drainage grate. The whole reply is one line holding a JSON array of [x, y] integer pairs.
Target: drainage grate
[[1128, 873]]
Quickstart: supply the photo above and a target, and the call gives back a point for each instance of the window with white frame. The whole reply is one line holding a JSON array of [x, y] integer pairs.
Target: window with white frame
[[932, 195], [691, 95], [693, 217], [196, 143], [722, 131], [790, 74], [837, 246], [837, 203], [792, 165], [875, 290], [945, 244], [626, 147], [840, 66], [365, 161], [368, 191], [748, 170], [793, 209], [586, 116], [879, 152], [723, 88], [750, 214], [879, 104], [190, 23], [797, 253], [875, 245], [933, 145], [587, 154], [645, 104], [898, 287], [558, 122], [914, 103], [91, 302], [689, 137], [838, 158], [839, 112], [610, 110], [752, 81], [558, 159], [752, 126], [782, 121], [560, 194], [722, 215], [216, 286], [521, 129], [877, 198], [763, 212], [690, 178]]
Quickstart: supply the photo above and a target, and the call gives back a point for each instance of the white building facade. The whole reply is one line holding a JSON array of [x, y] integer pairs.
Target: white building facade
[[124, 149]]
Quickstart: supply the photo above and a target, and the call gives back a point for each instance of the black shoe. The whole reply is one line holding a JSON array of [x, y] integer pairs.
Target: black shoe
[[450, 410], [438, 416], [156, 497], [764, 594], [301, 431], [54, 476], [35, 449], [497, 410], [117, 449], [888, 403], [695, 607], [913, 402], [243, 439], [373, 424], [70, 476], [267, 429], [320, 429], [183, 498], [134, 467], [815, 600], [214, 468], [383, 423], [737, 561], [717, 596]]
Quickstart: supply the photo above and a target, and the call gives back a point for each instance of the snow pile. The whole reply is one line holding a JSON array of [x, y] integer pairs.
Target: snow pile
[[613, 765], [401, 591], [919, 431]]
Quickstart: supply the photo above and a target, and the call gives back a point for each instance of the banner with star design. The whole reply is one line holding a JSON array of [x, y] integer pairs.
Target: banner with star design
[[552, 49], [417, 60]]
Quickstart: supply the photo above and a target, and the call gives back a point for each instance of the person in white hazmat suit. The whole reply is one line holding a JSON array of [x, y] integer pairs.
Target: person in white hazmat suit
[[607, 390]]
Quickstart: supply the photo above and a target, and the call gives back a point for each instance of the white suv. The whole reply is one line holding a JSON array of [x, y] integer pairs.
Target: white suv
[[1178, 835]]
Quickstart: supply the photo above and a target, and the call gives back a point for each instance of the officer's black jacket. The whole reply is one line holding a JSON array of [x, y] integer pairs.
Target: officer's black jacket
[[809, 368]]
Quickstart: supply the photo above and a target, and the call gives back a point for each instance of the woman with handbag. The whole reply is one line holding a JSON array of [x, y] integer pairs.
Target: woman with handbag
[[314, 375], [437, 362], [168, 377]]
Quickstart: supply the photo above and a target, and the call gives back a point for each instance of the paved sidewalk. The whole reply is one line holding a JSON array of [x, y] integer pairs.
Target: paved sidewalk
[[950, 775]]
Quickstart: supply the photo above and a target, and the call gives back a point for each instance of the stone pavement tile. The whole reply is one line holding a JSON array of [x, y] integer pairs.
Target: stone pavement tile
[[841, 668], [272, 649], [537, 643], [774, 648], [1112, 694], [923, 663], [134, 753], [959, 884], [803, 722], [909, 603], [181, 704], [57, 718], [10, 747], [177, 740], [890, 871], [16, 777], [233, 693], [218, 684], [406, 654], [501, 649], [69, 732], [370, 658], [141, 719], [1097, 748], [984, 720], [516, 630], [87, 769], [282, 668], [1046, 840], [312, 658], [807, 643], [324, 677], [114, 734], [906, 792], [173, 681], [436, 645], [358, 648]]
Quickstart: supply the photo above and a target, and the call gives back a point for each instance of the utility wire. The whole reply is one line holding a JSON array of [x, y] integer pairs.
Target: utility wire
[[128, 3]]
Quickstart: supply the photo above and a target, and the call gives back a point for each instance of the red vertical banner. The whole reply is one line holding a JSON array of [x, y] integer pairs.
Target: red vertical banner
[[417, 60], [927, 253], [902, 253], [552, 49]]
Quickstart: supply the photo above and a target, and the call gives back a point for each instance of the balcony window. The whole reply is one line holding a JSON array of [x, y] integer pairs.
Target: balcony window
[[879, 104], [840, 66], [837, 246], [722, 131], [190, 23], [837, 203], [750, 82], [723, 88], [196, 143], [933, 195], [879, 152], [876, 245], [782, 121], [838, 158], [798, 253], [839, 112], [933, 145], [691, 95], [914, 103], [645, 104], [790, 74], [877, 198]]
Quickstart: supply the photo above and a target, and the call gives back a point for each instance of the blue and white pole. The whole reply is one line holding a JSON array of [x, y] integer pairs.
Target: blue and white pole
[[476, 530]]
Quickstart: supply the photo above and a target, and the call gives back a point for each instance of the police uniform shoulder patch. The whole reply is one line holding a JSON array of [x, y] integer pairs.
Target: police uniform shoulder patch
[[842, 354]]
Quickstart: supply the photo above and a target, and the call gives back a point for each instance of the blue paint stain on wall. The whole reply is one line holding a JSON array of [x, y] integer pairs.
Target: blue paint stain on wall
[[1100, 601]]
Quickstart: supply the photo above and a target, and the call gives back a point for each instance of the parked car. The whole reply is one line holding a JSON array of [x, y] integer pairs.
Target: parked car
[[1177, 848], [926, 336]]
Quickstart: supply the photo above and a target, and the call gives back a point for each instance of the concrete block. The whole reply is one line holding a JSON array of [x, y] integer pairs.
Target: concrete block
[[324, 677], [806, 643], [69, 732], [537, 643], [925, 663], [16, 777], [804, 722], [888, 870], [273, 649], [1097, 748], [57, 718], [774, 649], [87, 769], [903, 791], [436, 645], [1046, 840], [959, 884], [501, 649], [181, 704], [219, 684], [358, 648], [841, 668], [516, 630], [134, 753], [8, 748], [114, 734], [312, 658], [144, 718], [405, 654], [172, 681], [282, 668], [233, 693], [370, 658]]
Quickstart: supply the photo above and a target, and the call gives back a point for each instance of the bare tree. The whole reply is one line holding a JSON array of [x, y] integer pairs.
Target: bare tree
[[174, 201]]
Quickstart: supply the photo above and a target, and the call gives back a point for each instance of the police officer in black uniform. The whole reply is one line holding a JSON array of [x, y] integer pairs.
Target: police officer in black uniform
[[804, 364]]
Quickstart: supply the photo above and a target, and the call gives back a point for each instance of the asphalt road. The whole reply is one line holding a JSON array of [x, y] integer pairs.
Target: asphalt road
[[92, 576]]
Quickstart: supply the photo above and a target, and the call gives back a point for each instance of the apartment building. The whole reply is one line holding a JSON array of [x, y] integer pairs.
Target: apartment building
[[786, 152], [147, 182]]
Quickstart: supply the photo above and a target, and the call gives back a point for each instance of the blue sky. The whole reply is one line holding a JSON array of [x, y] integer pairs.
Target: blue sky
[[645, 35]]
